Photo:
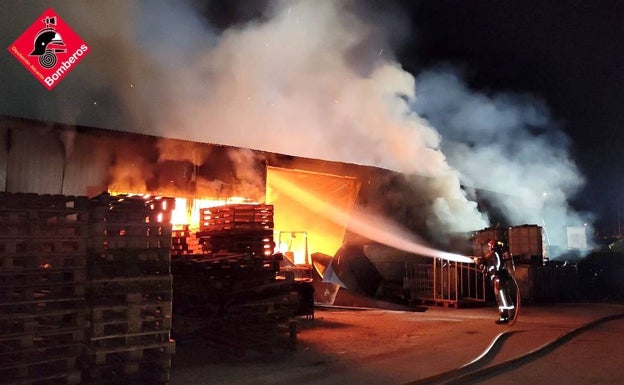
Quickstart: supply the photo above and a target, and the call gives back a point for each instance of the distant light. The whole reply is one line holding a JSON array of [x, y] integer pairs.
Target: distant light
[[94, 103]]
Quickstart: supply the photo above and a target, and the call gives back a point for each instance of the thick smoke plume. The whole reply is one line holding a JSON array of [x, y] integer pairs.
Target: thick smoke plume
[[316, 78], [508, 147], [302, 82]]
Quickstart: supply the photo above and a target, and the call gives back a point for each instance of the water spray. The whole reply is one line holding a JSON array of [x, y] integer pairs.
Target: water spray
[[366, 225]]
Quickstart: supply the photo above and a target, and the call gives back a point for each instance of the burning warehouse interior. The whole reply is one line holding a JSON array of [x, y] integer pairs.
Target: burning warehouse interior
[[125, 241]]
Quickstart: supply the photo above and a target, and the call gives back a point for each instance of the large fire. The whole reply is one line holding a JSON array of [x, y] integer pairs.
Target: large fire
[[186, 212], [299, 230]]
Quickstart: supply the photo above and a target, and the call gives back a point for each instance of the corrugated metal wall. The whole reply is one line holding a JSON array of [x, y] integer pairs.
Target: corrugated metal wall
[[35, 161], [48, 158], [86, 169], [44, 159]]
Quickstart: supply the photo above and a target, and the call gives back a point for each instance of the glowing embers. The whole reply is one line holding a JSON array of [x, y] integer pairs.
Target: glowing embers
[[130, 221]]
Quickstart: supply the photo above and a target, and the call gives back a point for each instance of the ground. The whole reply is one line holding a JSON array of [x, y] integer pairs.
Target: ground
[[396, 347]]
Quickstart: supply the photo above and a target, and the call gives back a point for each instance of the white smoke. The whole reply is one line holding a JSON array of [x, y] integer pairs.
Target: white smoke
[[507, 146], [288, 85]]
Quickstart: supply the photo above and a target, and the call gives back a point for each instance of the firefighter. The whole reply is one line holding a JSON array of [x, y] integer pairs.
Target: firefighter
[[493, 263]]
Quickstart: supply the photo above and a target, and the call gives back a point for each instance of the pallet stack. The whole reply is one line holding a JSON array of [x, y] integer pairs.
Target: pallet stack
[[241, 228], [233, 302], [129, 293], [229, 295], [184, 243], [42, 287]]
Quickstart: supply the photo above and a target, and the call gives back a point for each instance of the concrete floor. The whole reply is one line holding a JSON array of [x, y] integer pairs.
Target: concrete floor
[[395, 347]]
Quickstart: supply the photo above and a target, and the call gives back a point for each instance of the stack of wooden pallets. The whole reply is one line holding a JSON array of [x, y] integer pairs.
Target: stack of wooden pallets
[[237, 217], [234, 302], [183, 243], [229, 294], [42, 287], [129, 292], [241, 228]]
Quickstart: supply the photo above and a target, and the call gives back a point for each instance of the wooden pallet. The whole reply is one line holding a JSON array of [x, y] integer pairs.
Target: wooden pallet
[[157, 352], [237, 217], [35, 229], [139, 290], [253, 226], [41, 305], [37, 278], [40, 293], [131, 255], [263, 322], [128, 326], [129, 311], [129, 285], [224, 274], [71, 377], [181, 233], [17, 324], [129, 229], [19, 357], [14, 229], [11, 246], [131, 209], [24, 215], [242, 235], [41, 261], [41, 339], [30, 371], [114, 215], [104, 242], [128, 339], [43, 201], [113, 269], [234, 241], [245, 207]]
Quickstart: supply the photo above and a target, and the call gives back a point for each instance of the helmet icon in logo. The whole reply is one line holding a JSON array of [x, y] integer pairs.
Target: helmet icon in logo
[[47, 43]]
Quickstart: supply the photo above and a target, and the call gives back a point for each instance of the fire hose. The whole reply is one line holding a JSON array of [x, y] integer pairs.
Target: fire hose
[[518, 300], [476, 369]]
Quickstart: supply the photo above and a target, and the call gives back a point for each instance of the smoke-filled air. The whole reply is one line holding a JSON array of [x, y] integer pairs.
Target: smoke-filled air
[[509, 148], [300, 82], [318, 79]]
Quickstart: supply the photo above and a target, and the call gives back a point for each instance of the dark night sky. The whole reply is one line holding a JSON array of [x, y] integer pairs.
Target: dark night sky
[[571, 54]]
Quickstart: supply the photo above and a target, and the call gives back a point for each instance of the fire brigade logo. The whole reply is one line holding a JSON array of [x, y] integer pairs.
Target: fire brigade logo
[[49, 49]]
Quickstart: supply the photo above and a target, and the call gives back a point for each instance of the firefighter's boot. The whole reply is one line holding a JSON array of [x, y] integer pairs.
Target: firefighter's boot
[[504, 317]]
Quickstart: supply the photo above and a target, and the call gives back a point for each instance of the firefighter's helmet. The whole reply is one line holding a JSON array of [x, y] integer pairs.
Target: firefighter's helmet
[[496, 246], [43, 39]]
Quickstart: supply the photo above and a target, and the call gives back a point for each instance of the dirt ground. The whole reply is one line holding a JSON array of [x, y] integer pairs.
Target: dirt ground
[[396, 347]]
